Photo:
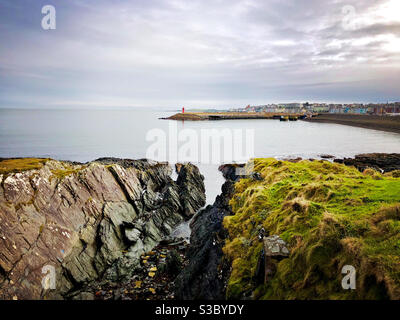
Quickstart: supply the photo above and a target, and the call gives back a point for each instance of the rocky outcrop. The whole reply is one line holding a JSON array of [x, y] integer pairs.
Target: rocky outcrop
[[206, 274], [274, 250], [385, 162], [190, 194], [303, 222], [210, 267], [84, 222]]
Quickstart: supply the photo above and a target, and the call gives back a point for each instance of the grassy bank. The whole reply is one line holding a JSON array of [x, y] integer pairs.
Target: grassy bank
[[330, 215]]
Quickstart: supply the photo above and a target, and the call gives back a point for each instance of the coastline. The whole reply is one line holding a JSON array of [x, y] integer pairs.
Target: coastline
[[125, 195], [204, 116], [305, 219], [381, 123], [98, 223]]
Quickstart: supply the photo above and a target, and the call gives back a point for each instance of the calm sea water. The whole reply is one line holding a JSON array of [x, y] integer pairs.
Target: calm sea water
[[84, 135]]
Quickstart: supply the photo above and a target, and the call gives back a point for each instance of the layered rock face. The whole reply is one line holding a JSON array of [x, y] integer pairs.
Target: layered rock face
[[87, 221]]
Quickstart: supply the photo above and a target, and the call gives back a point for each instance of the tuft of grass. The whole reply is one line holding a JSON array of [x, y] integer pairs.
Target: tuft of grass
[[21, 164], [62, 173], [8, 166], [330, 215]]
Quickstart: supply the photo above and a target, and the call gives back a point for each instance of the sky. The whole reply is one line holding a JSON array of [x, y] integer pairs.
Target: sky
[[198, 53]]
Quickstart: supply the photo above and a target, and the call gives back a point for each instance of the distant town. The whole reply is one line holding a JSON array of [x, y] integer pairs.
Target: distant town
[[385, 117], [302, 108]]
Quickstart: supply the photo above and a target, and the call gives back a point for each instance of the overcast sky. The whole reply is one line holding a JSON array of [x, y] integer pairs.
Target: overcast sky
[[198, 53]]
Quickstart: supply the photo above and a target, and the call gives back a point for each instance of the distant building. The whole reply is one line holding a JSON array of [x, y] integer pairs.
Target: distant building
[[353, 108], [322, 108]]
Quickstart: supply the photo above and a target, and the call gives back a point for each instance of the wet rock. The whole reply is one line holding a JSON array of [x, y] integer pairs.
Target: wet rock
[[84, 296], [191, 188], [384, 162], [173, 264], [327, 156], [153, 278], [230, 171], [295, 160], [206, 274]]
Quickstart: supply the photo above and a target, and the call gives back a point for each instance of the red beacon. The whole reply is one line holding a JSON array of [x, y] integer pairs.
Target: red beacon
[[183, 109]]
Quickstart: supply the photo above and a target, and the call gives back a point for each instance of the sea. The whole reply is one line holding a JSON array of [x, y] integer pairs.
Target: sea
[[85, 135]]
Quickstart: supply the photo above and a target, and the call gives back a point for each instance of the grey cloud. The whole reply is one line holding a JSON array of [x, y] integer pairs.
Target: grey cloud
[[377, 29], [174, 52]]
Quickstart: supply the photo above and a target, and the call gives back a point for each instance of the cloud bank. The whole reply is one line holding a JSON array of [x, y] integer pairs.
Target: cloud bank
[[198, 53]]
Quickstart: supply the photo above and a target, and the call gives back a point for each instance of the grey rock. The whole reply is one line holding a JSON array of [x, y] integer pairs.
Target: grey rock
[[205, 277], [383, 162], [133, 234], [191, 188], [89, 221], [275, 246]]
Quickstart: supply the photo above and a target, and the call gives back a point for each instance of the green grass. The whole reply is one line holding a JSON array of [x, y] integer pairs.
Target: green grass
[[62, 173], [330, 215], [23, 164]]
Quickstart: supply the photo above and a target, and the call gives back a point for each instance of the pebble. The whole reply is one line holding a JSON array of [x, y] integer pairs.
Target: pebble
[[148, 283]]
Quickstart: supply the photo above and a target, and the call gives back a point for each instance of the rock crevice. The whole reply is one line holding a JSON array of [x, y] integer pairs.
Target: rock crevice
[[89, 221], [207, 273]]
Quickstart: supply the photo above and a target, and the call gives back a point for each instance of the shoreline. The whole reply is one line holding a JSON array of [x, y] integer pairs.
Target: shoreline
[[381, 123], [219, 247], [374, 122], [168, 267], [207, 116]]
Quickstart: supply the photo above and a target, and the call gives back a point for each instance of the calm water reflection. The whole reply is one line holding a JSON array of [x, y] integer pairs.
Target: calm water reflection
[[89, 134]]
